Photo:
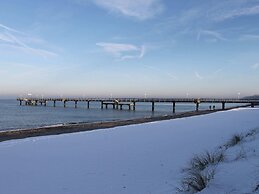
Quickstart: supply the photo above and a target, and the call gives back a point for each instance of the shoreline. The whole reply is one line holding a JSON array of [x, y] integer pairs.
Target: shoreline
[[80, 127]]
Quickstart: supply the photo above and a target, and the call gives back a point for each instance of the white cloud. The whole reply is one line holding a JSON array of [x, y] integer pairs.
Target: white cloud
[[248, 11], [123, 51], [213, 34], [14, 39], [249, 37], [255, 66], [140, 9], [9, 29], [197, 75]]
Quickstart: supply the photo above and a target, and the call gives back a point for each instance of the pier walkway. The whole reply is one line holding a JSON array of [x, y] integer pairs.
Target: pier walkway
[[130, 103]]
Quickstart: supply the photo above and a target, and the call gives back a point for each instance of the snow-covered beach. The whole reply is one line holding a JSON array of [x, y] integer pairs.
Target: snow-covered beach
[[141, 158]]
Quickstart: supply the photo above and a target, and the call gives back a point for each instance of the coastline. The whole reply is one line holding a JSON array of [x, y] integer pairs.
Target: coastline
[[80, 127]]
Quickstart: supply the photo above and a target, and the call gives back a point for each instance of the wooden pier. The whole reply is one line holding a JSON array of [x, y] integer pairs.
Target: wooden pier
[[130, 103]]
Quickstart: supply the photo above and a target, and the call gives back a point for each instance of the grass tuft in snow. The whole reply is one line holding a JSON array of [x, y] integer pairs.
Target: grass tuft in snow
[[196, 181], [200, 171], [241, 154], [234, 140], [256, 188], [252, 132], [202, 167], [203, 161]]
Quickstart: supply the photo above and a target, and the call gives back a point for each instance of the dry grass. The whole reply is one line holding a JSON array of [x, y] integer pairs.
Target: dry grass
[[202, 167], [200, 171], [203, 161], [196, 181], [234, 140]]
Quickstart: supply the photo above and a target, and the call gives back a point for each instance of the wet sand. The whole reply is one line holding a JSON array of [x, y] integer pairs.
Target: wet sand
[[77, 127]]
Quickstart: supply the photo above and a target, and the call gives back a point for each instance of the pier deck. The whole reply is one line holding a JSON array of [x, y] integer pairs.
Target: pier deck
[[118, 103]]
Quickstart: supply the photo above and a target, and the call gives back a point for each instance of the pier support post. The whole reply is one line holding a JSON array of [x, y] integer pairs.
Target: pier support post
[[223, 105], [121, 106], [54, 103], [101, 104], [173, 107], [129, 106], [88, 104], [134, 105], [75, 103], [252, 105], [20, 102], [197, 106], [113, 106], [153, 106], [106, 106], [45, 103], [64, 104]]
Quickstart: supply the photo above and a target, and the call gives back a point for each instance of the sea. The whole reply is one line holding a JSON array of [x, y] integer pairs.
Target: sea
[[14, 116]]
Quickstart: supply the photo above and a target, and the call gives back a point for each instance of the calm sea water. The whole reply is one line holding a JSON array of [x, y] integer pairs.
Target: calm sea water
[[14, 116]]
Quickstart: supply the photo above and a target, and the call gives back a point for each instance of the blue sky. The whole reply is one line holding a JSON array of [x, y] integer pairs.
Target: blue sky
[[103, 48]]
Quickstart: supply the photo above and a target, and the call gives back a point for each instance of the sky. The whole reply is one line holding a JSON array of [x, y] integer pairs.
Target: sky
[[129, 48]]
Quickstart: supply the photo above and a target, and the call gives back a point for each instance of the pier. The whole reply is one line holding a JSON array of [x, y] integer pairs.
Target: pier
[[131, 103]]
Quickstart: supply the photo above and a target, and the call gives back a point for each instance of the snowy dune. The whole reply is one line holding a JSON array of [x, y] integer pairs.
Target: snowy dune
[[137, 159]]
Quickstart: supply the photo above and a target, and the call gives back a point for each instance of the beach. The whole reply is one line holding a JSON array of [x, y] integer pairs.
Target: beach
[[139, 158]]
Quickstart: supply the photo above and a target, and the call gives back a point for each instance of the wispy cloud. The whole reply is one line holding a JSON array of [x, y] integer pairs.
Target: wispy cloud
[[9, 29], [123, 51], [207, 13], [249, 37], [15, 39], [197, 75], [231, 14], [255, 66], [139, 9], [212, 34]]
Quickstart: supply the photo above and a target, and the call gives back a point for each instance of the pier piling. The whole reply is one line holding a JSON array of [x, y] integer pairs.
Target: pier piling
[[173, 107], [153, 106], [197, 106], [223, 105]]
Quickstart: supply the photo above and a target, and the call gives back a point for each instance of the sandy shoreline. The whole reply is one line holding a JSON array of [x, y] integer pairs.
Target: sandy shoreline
[[71, 128]]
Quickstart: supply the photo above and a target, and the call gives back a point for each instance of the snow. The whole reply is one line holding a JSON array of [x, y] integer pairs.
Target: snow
[[137, 159]]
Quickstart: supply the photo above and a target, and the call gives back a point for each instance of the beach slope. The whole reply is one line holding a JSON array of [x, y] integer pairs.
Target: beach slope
[[141, 158]]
